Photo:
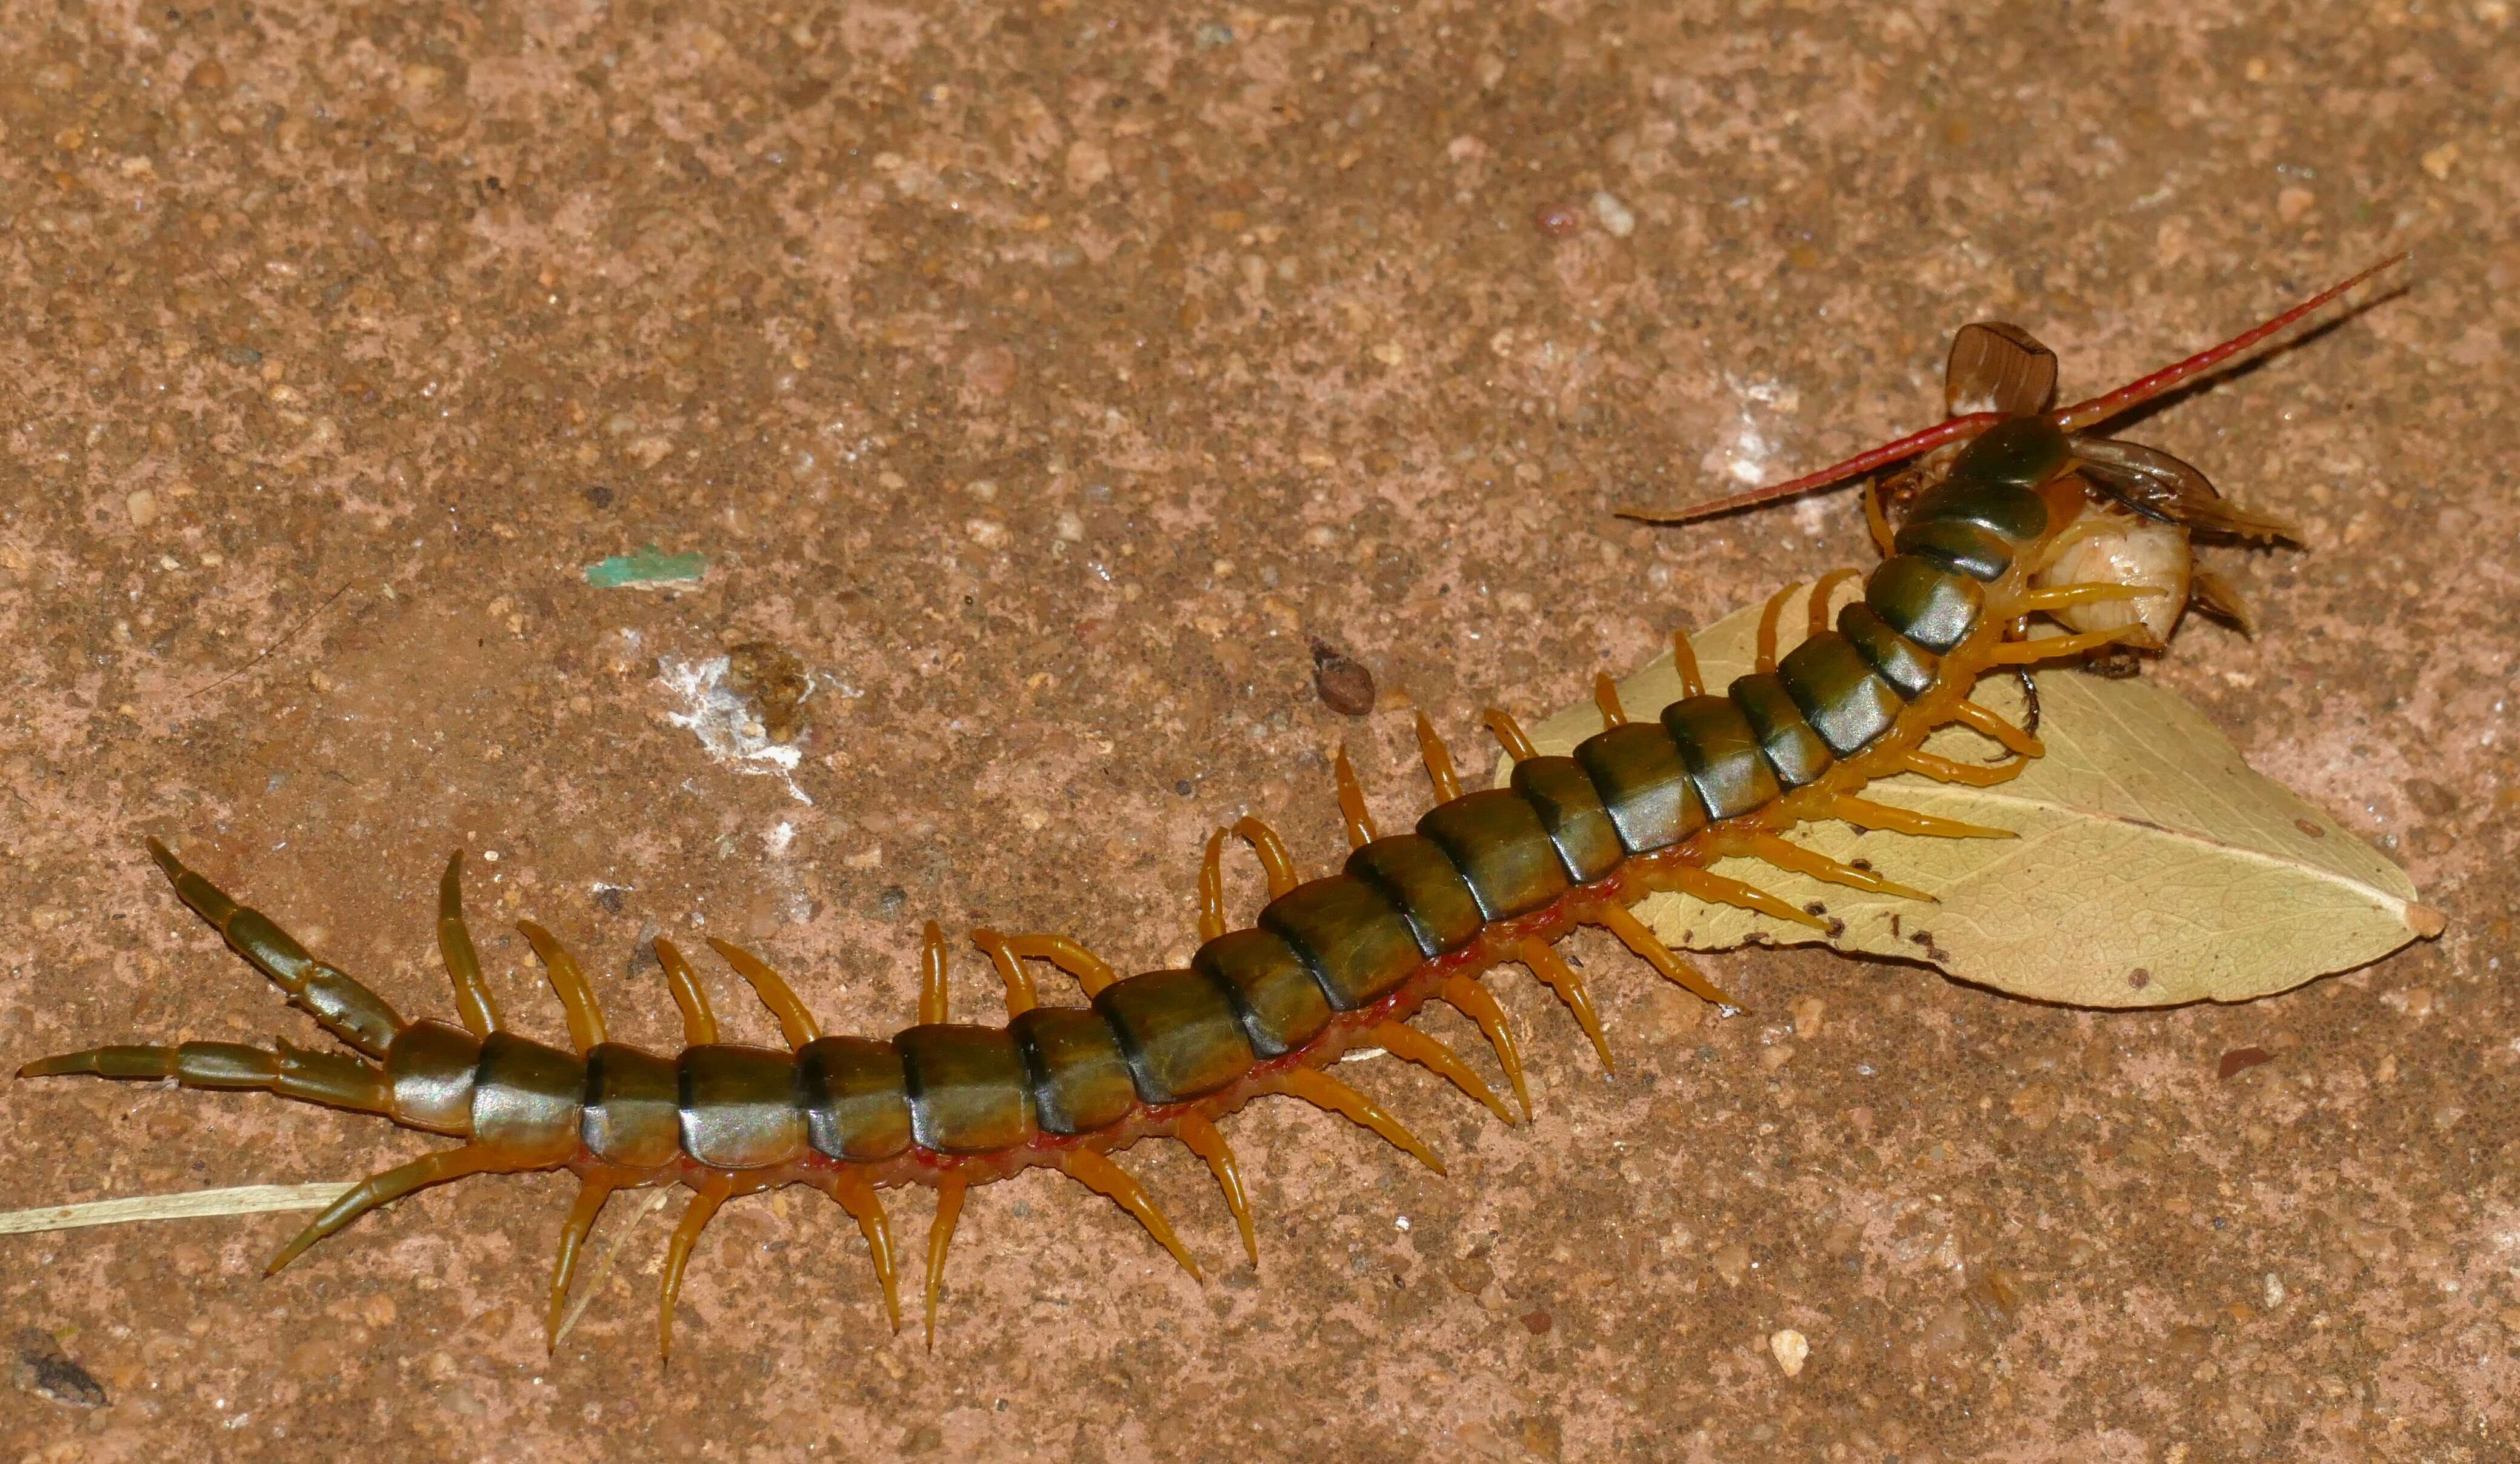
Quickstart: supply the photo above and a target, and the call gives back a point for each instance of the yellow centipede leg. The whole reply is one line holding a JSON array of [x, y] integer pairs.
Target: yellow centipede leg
[[1466, 995], [1272, 850], [1351, 801], [473, 1000], [2057, 548], [1439, 761], [1723, 890], [569, 984], [378, 1189], [1323, 1092], [1509, 734], [2052, 648], [1092, 972], [1204, 1141], [699, 1022], [1968, 774], [1605, 695], [706, 1197], [1764, 658], [591, 1194], [932, 992], [1558, 977], [1021, 994], [857, 1195], [1820, 595], [1877, 522], [1096, 1172], [1621, 922], [1787, 854], [1211, 889], [796, 1022], [2017, 739], [2067, 596], [1684, 661], [1865, 814], [940, 1239], [1409, 1044]]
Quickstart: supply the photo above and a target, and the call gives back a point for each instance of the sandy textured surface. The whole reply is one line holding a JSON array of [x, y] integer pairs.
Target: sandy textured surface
[[1041, 383]]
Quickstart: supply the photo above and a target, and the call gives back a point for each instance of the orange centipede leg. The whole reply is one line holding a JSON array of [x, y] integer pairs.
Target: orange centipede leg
[[1865, 814], [1466, 995], [392, 1185], [1096, 1172], [1211, 889], [1409, 1044], [1546, 964], [1943, 770], [2067, 596], [1092, 972], [2016, 740], [1197, 1131], [706, 1197], [699, 1022], [591, 1194], [1787, 854], [569, 984], [796, 1024], [1509, 734], [1323, 1092], [1439, 761], [1723, 890], [1272, 850], [1605, 695], [1684, 659], [1877, 522], [1821, 594], [1021, 994], [1764, 658], [1351, 801], [473, 1000], [940, 1239], [1619, 920], [932, 992], [2031, 651], [857, 1195]]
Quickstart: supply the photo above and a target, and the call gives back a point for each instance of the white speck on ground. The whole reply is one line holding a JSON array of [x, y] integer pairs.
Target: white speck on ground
[[723, 721]]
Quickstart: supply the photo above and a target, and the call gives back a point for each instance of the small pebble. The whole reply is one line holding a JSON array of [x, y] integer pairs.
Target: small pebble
[[1789, 1347], [2241, 1060], [1616, 218], [1731, 1261], [142, 505], [1345, 687]]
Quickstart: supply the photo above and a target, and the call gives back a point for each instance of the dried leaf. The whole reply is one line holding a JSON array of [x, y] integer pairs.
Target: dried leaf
[[2153, 867]]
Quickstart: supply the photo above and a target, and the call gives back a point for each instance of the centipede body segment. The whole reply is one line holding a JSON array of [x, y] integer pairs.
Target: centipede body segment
[[1485, 878]]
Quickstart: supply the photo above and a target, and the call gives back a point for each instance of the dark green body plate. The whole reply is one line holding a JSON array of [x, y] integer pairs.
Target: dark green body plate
[[1411, 873], [1643, 784], [1080, 1080], [1497, 843], [525, 1097], [855, 1096], [1839, 696], [739, 1105], [1570, 810], [1178, 1033], [1907, 667], [429, 1070], [1954, 546], [1792, 749], [633, 1107], [1356, 944], [1274, 996], [2020, 454], [1924, 602], [1722, 755], [968, 1089]]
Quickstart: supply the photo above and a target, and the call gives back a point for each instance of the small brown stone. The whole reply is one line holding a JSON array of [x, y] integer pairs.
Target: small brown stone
[[1345, 687], [2241, 1060]]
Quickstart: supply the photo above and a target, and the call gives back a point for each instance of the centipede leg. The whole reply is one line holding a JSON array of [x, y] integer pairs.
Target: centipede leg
[[2056, 648], [1865, 814], [2016, 740], [1096, 1172], [473, 1000], [569, 984], [380, 1189], [1203, 1140], [1619, 920], [1409, 1045], [940, 1239], [1764, 650], [1943, 770], [341, 1003], [1554, 972], [591, 1194], [1439, 761], [330, 1078], [857, 1195], [1351, 801], [1723, 890], [699, 1021], [796, 1022], [1323, 1092], [1787, 854], [706, 1197], [1466, 995]]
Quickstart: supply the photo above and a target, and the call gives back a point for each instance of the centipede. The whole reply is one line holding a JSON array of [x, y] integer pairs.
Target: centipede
[[2011, 513]]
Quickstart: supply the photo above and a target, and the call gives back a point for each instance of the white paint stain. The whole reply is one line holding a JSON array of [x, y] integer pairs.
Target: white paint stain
[[724, 722]]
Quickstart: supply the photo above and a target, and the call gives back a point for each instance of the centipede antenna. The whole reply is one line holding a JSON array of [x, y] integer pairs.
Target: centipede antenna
[[1096, 1172], [1764, 657], [1605, 695], [932, 1003], [1323, 1092], [1463, 994], [796, 1022], [1439, 761], [1351, 800], [699, 1022], [1409, 1045], [1197, 1131], [577, 999], [591, 1194], [940, 1239], [1632, 932], [473, 1000], [2135, 394], [1021, 994], [1684, 661], [1909, 446], [1272, 850], [1509, 734], [1546, 964]]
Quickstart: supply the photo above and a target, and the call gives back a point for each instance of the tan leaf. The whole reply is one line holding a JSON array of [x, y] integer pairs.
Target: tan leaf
[[2153, 867]]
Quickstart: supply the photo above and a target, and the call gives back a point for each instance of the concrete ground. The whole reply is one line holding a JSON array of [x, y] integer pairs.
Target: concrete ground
[[1038, 381]]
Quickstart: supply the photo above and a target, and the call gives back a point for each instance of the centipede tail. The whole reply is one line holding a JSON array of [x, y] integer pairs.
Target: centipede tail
[[1984, 524]]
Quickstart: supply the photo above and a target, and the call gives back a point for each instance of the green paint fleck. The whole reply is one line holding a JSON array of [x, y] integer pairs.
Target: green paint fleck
[[650, 566]]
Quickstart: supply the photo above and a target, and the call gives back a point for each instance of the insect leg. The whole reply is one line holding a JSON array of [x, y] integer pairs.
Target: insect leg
[[345, 1007], [1466, 995], [2017, 739], [2053, 648], [1865, 814], [1787, 854], [1409, 1044], [1822, 592], [569, 984], [1684, 659], [796, 1024], [940, 1239], [1605, 695], [1439, 761], [1021, 994], [1706, 885], [1968, 774], [1204, 1141], [700, 1024], [1509, 734], [707, 1196], [392, 1185], [591, 1194], [858, 1197], [1619, 920], [473, 1000], [1765, 656], [1351, 801], [1546, 964], [1096, 1172], [1323, 1092], [1092, 972]]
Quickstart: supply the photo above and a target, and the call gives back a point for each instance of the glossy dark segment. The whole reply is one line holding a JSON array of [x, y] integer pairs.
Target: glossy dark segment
[[336, 998], [429, 1070], [1643, 784], [1839, 696], [1356, 944], [1956, 546], [1907, 667], [2018, 454], [1274, 992], [1080, 1080], [1411, 873], [1929, 604], [966, 1086], [1794, 752], [633, 1107], [856, 1097], [1570, 810], [525, 1096], [1497, 843], [1178, 1033], [739, 1105], [1722, 755]]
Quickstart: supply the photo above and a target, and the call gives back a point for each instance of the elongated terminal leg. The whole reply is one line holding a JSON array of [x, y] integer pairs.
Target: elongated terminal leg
[[1351, 801], [796, 1024], [1787, 854], [1439, 761], [345, 1007], [1969, 774], [940, 1239], [1985, 722], [857, 1195], [1764, 657], [710, 1193], [591, 1194], [1323, 1092], [1723, 890], [1409, 1044], [1099, 1173], [1865, 814], [699, 1022], [1509, 734], [1204, 1141], [1554, 972], [380, 1189], [1466, 995], [569, 984], [472, 999], [330, 1078], [1619, 920]]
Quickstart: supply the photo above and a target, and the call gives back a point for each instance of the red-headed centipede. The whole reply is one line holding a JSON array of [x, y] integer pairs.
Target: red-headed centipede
[[2013, 510]]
